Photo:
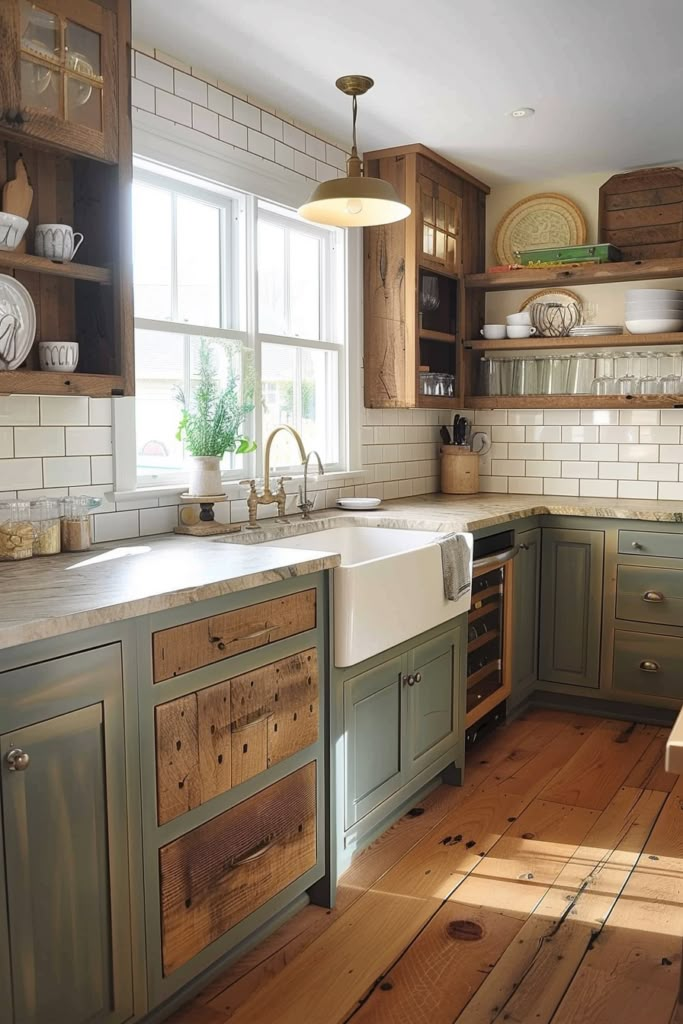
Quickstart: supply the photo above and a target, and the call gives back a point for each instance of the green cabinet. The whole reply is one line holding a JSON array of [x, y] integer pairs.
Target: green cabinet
[[571, 606], [525, 610], [65, 943], [430, 703]]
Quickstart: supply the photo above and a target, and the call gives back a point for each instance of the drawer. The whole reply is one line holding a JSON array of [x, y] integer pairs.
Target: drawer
[[192, 645], [650, 542], [213, 877], [214, 739], [648, 664], [645, 594]]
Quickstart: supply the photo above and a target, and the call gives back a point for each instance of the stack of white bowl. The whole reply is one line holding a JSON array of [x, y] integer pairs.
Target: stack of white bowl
[[653, 310]]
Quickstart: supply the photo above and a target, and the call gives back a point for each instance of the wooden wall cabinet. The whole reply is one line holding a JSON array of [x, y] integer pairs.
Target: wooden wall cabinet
[[414, 308]]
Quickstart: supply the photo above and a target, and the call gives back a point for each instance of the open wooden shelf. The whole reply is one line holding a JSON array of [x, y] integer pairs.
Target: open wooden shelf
[[573, 401], [478, 613], [603, 341], [484, 673], [37, 382], [482, 640], [437, 402], [438, 336], [39, 265], [587, 273]]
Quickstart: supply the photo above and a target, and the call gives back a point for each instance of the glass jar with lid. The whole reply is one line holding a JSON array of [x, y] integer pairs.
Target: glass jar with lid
[[16, 531], [45, 515], [76, 535]]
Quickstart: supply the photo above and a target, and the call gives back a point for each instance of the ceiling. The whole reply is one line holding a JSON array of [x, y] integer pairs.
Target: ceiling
[[605, 78]]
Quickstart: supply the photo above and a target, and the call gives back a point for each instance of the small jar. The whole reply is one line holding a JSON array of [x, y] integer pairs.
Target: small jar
[[16, 531], [46, 527], [76, 524]]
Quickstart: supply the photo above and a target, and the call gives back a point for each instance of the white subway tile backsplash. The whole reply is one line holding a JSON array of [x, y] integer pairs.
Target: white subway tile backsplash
[[637, 489], [524, 485], [173, 108], [315, 148], [671, 417], [154, 72], [6, 443], [294, 137], [63, 412], [543, 468], [159, 520], [563, 417], [635, 417], [524, 417], [528, 451], [669, 453], [598, 488], [100, 412], [142, 95], [67, 471], [304, 164], [38, 441], [656, 470], [88, 441], [570, 488], [204, 120], [660, 435], [671, 492], [16, 474], [580, 470], [563, 451], [507, 433], [600, 452], [19, 409], [190, 88], [284, 155], [599, 417], [547, 434], [246, 113], [271, 125], [618, 470], [580, 435], [230, 131], [102, 469], [639, 453], [220, 101], [619, 435], [110, 526], [260, 144], [507, 467], [494, 484]]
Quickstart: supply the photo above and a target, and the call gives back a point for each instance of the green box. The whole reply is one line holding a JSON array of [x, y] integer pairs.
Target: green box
[[602, 253]]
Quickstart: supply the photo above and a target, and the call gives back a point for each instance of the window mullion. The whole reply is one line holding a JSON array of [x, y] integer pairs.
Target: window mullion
[[251, 258], [174, 256]]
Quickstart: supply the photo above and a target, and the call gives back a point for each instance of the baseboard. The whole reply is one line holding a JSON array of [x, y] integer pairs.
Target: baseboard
[[597, 706]]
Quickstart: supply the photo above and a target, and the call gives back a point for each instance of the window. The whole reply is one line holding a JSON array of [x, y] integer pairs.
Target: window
[[267, 290]]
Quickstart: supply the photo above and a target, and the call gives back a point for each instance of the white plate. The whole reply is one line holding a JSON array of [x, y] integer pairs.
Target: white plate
[[359, 503], [17, 323]]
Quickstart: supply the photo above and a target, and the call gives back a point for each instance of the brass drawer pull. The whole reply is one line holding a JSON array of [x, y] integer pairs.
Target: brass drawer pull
[[221, 644], [650, 666], [17, 760], [251, 855], [653, 596]]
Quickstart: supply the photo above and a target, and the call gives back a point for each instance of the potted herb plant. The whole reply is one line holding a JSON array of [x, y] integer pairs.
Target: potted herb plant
[[212, 422]]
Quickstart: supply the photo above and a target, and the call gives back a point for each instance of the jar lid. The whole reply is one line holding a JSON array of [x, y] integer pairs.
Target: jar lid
[[45, 508]]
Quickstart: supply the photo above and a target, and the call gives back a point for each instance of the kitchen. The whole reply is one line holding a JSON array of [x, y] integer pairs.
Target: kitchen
[[391, 739]]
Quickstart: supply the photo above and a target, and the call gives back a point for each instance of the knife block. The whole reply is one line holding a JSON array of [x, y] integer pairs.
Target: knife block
[[459, 470]]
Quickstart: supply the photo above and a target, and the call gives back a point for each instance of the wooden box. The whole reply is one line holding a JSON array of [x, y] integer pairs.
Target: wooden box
[[641, 212]]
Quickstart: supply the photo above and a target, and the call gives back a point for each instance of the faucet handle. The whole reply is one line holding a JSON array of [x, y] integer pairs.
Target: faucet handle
[[250, 483]]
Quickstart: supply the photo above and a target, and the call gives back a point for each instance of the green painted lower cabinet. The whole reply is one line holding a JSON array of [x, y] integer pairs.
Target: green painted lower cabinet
[[67, 940], [571, 606], [398, 721], [526, 581]]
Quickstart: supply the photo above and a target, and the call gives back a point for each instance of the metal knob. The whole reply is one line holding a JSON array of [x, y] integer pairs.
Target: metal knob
[[653, 596], [523, 547], [637, 546], [17, 760], [418, 677], [410, 680], [650, 666]]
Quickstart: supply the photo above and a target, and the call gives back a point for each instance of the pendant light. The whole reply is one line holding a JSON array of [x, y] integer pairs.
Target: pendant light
[[354, 201]]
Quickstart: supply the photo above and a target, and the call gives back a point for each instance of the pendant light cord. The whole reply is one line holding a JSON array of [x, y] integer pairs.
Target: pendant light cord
[[355, 115]]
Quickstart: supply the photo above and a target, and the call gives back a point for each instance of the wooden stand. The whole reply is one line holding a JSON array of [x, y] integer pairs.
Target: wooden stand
[[206, 525], [459, 470]]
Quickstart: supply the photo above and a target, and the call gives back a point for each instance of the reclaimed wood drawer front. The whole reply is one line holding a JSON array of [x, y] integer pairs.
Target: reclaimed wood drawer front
[[192, 645], [213, 877], [648, 663], [645, 594], [216, 738], [649, 542]]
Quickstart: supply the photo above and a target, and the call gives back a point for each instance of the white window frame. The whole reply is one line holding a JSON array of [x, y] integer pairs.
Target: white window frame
[[157, 151]]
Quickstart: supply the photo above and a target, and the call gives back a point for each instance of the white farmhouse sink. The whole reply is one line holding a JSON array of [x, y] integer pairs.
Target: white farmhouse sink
[[388, 588]]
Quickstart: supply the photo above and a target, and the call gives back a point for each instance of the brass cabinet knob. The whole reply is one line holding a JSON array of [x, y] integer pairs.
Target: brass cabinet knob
[[17, 760], [418, 677], [650, 666], [653, 596], [637, 546], [410, 680]]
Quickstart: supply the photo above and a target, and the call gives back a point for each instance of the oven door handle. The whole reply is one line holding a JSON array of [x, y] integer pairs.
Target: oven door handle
[[481, 565]]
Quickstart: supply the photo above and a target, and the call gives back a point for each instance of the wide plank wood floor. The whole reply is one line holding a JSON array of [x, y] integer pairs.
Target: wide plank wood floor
[[549, 888]]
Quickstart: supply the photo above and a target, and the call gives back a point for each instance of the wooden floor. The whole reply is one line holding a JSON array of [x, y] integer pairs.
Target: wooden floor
[[548, 888]]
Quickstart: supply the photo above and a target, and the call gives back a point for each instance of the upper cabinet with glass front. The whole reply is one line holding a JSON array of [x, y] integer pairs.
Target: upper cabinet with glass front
[[440, 211], [59, 74]]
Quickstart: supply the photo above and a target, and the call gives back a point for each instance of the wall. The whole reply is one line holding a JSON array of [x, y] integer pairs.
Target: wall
[[57, 445], [598, 453]]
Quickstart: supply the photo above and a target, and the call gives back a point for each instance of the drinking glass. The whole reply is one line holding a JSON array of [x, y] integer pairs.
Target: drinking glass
[[649, 383], [429, 299], [506, 375], [555, 375], [669, 372], [489, 376], [581, 373], [604, 382], [627, 379], [524, 379]]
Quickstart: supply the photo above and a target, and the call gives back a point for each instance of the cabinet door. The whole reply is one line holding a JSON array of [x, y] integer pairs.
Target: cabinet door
[[439, 224], [571, 606], [525, 594], [66, 857], [431, 689], [58, 71], [372, 727]]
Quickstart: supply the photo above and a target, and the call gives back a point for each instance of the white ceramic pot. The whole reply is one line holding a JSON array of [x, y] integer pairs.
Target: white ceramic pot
[[205, 475], [61, 356], [57, 242]]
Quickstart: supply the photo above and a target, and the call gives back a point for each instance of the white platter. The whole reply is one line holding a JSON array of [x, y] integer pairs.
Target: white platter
[[17, 323], [357, 504]]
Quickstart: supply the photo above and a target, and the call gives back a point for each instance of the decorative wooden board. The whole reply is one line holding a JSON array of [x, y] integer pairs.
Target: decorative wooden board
[[642, 213]]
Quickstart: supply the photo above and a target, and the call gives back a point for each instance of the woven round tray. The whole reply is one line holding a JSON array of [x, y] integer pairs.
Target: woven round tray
[[546, 219], [561, 295]]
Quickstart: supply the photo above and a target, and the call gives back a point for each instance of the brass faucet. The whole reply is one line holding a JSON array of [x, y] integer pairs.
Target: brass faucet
[[267, 498]]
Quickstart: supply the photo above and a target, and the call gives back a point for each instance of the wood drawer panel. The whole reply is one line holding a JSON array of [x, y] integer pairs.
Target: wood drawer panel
[[662, 654], [213, 877], [649, 542], [218, 737], [192, 645], [645, 594]]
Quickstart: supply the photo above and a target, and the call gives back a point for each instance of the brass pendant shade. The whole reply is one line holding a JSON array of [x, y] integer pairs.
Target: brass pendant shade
[[354, 201]]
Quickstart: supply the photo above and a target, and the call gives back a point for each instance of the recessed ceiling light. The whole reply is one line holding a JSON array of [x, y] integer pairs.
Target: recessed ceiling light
[[523, 112]]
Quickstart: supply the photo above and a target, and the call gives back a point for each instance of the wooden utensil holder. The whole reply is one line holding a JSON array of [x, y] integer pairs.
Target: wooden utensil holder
[[459, 470]]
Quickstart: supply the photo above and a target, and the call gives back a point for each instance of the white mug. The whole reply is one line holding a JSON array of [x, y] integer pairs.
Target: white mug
[[57, 242], [493, 332], [520, 331], [58, 355]]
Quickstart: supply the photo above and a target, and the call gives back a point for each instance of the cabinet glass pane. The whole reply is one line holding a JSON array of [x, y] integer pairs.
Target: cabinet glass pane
[[199, 262], [441, 215], [39, 87], [427, 208], [40, 33], [440, 245], [428, 240], [450, 210], [451, 249], [83, 103], [82, 50]]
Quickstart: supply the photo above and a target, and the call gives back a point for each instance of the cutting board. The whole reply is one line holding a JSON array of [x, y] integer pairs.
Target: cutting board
[[17, 196], [641, 212]]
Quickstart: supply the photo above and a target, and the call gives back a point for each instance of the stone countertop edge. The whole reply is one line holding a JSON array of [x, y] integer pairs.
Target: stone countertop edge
[[93, 597]]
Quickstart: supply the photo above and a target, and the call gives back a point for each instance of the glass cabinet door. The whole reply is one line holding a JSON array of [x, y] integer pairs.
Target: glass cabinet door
[[440, 224], [66, 88]]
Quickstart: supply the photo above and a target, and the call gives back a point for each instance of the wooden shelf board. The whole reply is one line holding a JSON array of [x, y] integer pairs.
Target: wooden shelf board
[[37, 382], [486, 705], [483, 673], [39, 265], [589, 273], [573, 402], [604, 341], [482, 640], [437, 270], [486, 609], [437, 402], [444, 336]]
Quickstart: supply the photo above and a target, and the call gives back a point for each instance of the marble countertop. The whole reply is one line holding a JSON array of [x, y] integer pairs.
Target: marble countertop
[[46, 597]]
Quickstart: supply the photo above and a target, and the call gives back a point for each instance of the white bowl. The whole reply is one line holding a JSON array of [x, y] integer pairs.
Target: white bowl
[[653, 304], [654, 326], [660, 313], [518, 319], [12, 230], [58, 356], [493, 332], [648, 294], [520, 331]]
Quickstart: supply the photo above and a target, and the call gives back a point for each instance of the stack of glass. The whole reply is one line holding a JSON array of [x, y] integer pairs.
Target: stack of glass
[[583, 373]]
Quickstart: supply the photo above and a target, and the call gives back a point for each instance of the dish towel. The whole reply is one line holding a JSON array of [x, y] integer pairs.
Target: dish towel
[[456, 563]]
